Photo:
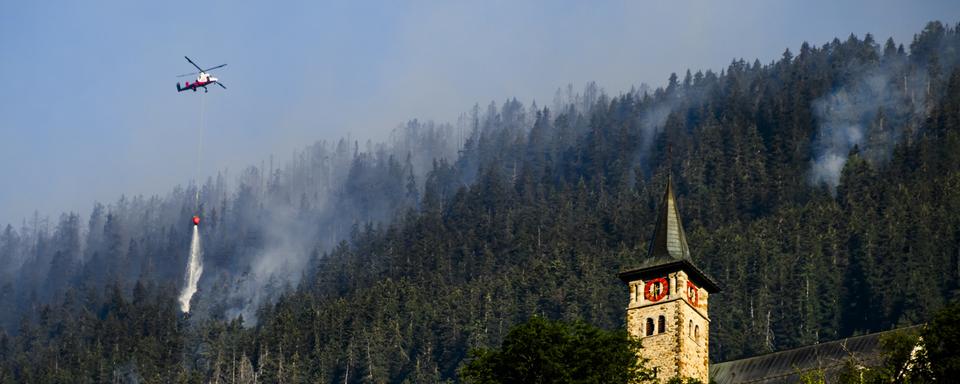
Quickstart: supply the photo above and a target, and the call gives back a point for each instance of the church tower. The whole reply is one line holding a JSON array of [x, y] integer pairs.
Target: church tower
[[667, 310]]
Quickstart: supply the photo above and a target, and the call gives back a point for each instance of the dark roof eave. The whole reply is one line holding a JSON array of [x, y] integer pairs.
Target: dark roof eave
[[695, 273]]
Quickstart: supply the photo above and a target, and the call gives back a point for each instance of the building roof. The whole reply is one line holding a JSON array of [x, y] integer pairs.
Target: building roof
[[786, 366], [669, 241], [663, 267], [669, 250]]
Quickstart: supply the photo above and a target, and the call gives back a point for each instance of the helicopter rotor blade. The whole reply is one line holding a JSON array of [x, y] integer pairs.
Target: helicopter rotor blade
[[221, 85], [212, 68], [188, 74], [194, 64]]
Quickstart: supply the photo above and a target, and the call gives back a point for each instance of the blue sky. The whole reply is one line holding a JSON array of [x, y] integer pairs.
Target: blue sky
[[90, 108]]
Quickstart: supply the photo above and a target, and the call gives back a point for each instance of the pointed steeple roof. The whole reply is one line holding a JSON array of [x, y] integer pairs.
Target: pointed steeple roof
[[669, 250], [669, 241]]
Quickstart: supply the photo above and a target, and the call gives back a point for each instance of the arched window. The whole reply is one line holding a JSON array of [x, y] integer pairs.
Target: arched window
[[661, 324], [696, 332], [690, 328], [649, 327]]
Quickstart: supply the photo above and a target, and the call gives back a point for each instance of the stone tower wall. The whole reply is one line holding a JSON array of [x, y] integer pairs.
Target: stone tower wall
[[682, 348], [694, 344]]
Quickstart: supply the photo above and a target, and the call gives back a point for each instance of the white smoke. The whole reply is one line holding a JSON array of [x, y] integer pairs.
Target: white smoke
[[871, 111], [880, 101], [274, 270]]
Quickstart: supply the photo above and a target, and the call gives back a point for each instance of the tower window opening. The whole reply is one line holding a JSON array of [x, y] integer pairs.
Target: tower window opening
[[696, 332], [690, 328], [649, 327], [661, 324]]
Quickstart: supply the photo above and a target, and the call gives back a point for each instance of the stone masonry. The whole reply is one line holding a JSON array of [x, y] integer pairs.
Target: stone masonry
[[681, 348]]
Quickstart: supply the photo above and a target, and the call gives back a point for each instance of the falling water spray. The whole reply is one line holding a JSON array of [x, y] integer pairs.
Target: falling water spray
[[194, 269]]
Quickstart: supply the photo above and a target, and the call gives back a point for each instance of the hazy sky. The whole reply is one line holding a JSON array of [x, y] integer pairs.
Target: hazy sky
[[90, 110]]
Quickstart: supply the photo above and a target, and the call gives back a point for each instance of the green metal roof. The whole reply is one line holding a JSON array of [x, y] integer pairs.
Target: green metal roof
[[669, 241]]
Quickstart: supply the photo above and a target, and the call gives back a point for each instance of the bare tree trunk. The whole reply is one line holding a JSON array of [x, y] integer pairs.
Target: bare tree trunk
[[280, 366], [346, 374]]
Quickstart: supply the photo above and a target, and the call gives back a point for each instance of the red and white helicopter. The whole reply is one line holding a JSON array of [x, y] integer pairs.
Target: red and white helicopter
[[203, 79]]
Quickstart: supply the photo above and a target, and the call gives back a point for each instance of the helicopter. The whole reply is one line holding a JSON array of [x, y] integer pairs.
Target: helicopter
[[203, 79]]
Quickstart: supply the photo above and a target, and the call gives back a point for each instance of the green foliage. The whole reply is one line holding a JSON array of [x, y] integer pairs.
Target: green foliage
[[897, 354], [100, 338], [941, 343], [688, 380], [924, 355], [543, 351], [815, 376]]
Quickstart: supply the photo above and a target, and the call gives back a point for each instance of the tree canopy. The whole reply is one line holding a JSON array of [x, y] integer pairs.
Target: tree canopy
[[543, 351]]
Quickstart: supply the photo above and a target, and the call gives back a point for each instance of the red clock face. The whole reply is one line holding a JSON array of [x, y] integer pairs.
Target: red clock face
[[693, 294], [655, 289]]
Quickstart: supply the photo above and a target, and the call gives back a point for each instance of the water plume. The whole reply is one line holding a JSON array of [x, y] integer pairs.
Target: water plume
[[194, 269]]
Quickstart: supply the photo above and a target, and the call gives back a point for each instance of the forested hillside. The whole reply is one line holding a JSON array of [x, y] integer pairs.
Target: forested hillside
[[820, 190], [259, 227]]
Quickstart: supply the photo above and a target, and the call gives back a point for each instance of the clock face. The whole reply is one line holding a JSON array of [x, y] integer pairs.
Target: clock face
[[655, 289], [693, 293]]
